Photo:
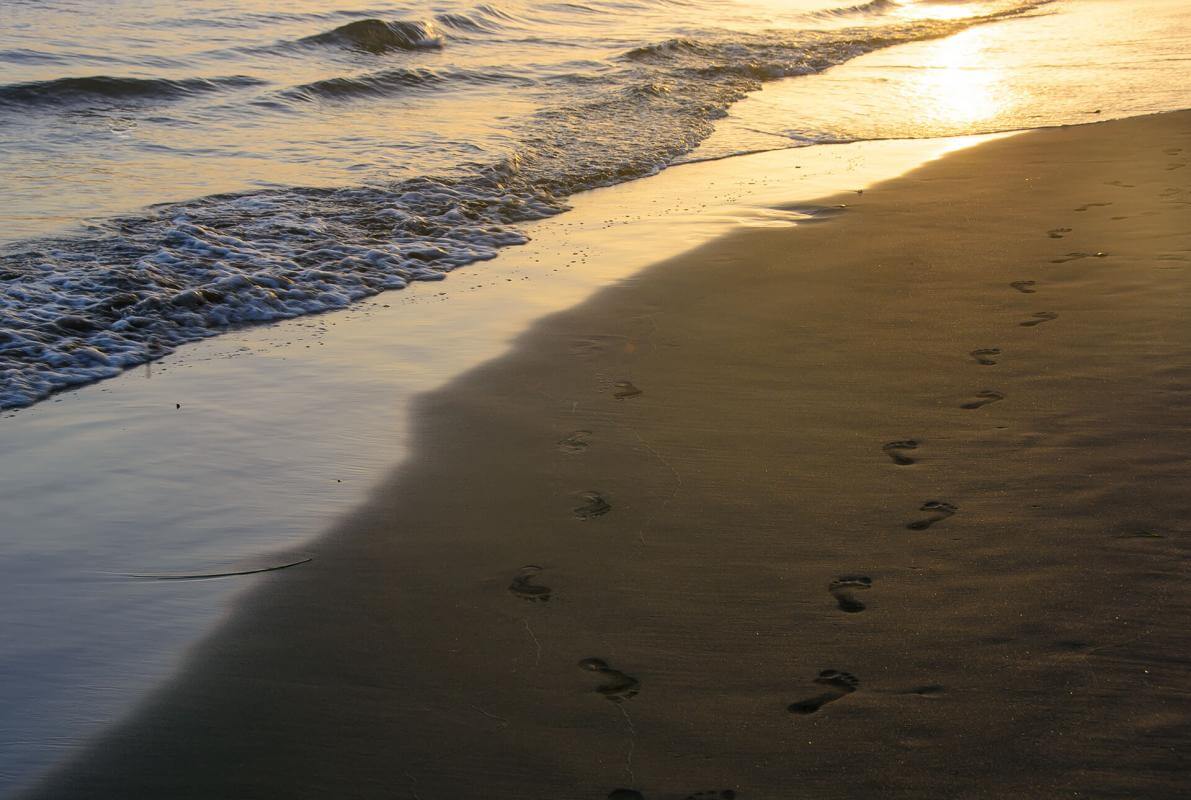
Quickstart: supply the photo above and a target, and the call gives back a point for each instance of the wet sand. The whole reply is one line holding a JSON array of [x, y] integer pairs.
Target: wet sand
[[888, 505]]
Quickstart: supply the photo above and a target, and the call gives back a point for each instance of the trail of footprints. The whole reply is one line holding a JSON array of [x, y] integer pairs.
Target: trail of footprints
[[618, 686]]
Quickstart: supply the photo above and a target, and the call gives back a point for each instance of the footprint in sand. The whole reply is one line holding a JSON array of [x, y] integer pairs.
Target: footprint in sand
[[595, 506], [1076, 257], [618, 687], [940, 511], [1058, 233], [840, 684], [574, 442], [1039, 318], [1025, 287], [523, 587], [1121, 184], [625, 390], [596, 345], [842, 589], [985, 397], [1086, 206], [984, 355], [633, 794], [895, 450]]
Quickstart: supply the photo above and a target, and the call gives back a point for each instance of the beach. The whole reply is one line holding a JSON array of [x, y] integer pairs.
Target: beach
[[887, 503]]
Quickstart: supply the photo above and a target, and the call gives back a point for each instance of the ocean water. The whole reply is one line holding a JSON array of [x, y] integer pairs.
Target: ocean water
[[171, 171]]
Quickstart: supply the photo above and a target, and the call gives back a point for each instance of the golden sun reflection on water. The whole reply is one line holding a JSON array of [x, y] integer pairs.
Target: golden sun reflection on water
[[958, 84], [914, 9]]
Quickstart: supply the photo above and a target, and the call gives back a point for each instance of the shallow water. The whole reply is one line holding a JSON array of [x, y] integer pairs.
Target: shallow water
[[227, 165]]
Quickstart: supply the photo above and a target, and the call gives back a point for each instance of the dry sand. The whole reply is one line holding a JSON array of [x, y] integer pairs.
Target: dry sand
[[1033, 644]]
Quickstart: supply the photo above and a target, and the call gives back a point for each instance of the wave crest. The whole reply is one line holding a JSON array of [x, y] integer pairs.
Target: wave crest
[[378, 36], [65, 91]]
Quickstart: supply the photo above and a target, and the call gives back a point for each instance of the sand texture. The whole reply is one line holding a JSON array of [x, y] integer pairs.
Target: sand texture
[[891, 505]]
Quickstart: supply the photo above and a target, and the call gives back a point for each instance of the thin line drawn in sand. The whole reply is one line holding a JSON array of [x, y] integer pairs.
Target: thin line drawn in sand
[[841, 684], [984, 397], [896, 451], [538, 657], [984, 355], [938, 508], [504, 722], [202, 576], [628, 756], [673, 493]]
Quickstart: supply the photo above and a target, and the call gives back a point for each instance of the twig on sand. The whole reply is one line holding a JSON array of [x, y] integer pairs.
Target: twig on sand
[[199, 576]]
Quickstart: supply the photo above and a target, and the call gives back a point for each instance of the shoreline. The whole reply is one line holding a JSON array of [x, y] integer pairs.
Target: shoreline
[[693, 536], [115, 479]]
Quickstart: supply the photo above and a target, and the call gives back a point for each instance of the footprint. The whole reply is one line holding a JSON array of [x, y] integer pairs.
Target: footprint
[[841, 589], [940, 510], [1121, 184], [596, 506], [1086, 206], [619, 687], [1025, 287], [982, 356], [1057, 233], [523, 588], [1039, 318], [722, 794], [595, 345], [841, 684], [625, 389], [987, 397], [894, 451], [574, 442], [1076, 257]]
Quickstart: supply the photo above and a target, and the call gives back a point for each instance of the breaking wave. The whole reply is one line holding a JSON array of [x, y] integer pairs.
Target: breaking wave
[[74, 310]]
